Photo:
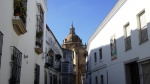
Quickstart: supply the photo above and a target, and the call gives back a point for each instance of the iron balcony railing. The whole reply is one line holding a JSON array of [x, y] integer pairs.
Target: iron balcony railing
[[128, 43]]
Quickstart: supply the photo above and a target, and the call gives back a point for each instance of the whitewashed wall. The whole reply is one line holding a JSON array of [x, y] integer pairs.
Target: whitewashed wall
[[113, 24], [25, 42]]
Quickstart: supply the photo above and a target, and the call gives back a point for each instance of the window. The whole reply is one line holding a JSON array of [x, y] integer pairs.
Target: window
[[100, 53], [40, 26], [143, 35], [102, 79], [1, 44], [127, 37], [48, 60], [113, 48], [95, 57], [96, 81], [37, 74], [145, 72], [20, 9], [65, 79], [16, 58], [65, 67]]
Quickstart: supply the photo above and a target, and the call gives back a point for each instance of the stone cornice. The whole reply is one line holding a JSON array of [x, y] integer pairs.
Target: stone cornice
[[115, 9]]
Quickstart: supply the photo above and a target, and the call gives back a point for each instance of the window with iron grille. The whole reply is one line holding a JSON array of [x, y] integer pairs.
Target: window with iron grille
[[143, 35], [127, 37], [102, 79], [100, 53], [37, 74], [1, 44], [40, 26], [146, 72], [16, 58], [95, 57]]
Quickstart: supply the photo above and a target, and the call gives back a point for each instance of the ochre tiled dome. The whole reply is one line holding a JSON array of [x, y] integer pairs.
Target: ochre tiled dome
[[72, 37]]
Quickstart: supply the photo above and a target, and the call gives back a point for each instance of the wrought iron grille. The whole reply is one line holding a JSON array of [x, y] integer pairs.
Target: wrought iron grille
[[146, 73], [143, 35], [37, 74], [128, 43], [48, 61], [40, 26], [1, 44], [16, 66]]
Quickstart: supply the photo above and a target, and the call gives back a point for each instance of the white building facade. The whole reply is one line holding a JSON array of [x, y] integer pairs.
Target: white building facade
[[118, 51], [22, 27], [53, 57]]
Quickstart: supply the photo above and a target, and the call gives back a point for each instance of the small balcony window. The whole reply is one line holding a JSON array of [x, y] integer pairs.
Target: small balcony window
[[20, 14], [16, 58], [48, 61], [142, 24], [39, 31], [127, 37]]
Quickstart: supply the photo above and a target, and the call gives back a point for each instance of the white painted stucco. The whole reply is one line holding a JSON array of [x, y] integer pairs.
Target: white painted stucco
[[125, 11], [24, 42], [52, 43]]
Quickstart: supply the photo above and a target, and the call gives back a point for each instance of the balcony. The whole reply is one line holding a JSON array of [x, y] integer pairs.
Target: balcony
[[39, 46], [58, 57], [18, 25], [39, 36], [19, 18], [48, 62], [38, 50]]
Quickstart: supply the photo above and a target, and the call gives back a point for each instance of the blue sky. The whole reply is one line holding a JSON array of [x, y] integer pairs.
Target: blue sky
[[86, 16]]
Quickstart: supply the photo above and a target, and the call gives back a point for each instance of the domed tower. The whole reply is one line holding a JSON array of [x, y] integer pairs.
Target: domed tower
[[72, 40], [74, 43]]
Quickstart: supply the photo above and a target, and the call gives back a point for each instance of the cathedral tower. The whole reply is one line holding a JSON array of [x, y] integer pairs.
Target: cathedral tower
[[74, 43]]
